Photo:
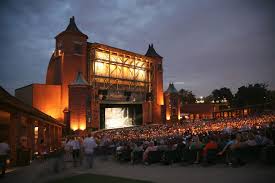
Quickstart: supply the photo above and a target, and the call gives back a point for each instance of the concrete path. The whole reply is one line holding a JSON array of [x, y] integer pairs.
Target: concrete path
[[251, 173]]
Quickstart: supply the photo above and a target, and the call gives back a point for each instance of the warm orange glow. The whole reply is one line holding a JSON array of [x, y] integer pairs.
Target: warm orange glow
[[160, 100], [168, 116], [102, 55], [73, 125], [132, 68], [47, 98], [225, 115], [77, 123], [179, 116], [82, 124], [55, 113], [82, 127]]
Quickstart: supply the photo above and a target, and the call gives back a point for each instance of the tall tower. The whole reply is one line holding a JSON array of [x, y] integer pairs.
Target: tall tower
[[157, 84], [69, 58], [79, 104], [172, 104]]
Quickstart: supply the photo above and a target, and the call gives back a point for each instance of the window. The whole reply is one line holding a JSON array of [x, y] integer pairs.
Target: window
[[160, 67], [78, 48], [60, 46]]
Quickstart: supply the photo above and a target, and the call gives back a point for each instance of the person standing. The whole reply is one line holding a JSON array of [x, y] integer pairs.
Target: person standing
[[4, 152], [89, 145], [76, 150], [68, 150], [42, 150]]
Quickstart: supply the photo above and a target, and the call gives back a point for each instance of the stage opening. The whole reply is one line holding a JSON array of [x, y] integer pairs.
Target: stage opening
[[120, 116]]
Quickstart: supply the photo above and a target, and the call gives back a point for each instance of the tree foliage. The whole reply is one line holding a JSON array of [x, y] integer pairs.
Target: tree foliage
[[208, 99], [187, 97], [251, 95], [221, 94]]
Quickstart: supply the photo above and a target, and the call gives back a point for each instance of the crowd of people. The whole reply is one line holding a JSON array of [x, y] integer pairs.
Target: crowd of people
[[79, 149], [151, 132], [221, 137], [225, 136]]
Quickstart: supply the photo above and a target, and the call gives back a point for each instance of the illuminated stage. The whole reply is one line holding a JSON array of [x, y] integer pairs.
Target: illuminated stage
[[120, 115]]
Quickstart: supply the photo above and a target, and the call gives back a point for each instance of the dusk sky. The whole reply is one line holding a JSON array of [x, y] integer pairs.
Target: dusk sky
[[206, 44]]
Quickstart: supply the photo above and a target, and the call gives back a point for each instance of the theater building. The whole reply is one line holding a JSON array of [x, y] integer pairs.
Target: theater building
[[97, 86]]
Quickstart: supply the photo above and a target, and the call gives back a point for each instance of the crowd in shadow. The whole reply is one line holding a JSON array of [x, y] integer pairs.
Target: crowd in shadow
[[234, 141]]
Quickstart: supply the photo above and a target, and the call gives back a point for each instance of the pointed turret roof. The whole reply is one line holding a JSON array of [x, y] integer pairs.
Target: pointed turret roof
[[171, 88], [72, 28], [151, 52], [79, 80]]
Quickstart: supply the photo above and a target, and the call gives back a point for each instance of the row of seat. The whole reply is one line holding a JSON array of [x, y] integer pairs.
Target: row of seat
[[247, 154]]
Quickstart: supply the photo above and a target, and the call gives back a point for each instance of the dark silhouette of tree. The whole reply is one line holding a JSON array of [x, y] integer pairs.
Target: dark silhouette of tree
[[271, 98], [218, 95], [208, 99], [187, 97], [251, 95]]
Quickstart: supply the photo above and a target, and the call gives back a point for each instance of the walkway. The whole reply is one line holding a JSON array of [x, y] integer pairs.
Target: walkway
[[252, 173]]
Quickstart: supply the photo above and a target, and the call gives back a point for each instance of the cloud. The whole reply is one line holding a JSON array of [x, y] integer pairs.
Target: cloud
[[206, 44]]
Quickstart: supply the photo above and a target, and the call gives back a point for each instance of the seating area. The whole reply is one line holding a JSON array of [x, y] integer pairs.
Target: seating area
[[188, 157], [234, 142]]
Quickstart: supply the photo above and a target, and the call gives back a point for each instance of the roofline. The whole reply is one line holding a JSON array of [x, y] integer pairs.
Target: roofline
[[23, 86], [78, 85], [43, 116], [33, 84], [68, 32], [121, 50]]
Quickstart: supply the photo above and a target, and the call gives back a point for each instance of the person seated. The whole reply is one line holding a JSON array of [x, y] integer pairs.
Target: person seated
[[119, 150], [236, 142], [264, 139], [162, 146], [210, 145], [196, 145], [228, 144], [251, 141], [231, 149], [135, 148], [151, 147]]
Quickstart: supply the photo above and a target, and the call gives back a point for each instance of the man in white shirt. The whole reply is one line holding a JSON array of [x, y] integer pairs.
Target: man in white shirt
[[4, 152], [89, 145], [76, 150]]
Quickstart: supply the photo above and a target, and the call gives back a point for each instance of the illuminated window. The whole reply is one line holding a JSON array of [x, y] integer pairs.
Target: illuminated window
[[102, 55], [115, 65]]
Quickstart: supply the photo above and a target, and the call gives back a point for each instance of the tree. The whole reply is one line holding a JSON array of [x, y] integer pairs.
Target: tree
[[221, 94], [187, 97], [272, 96], [208, 99], [251, 95]]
